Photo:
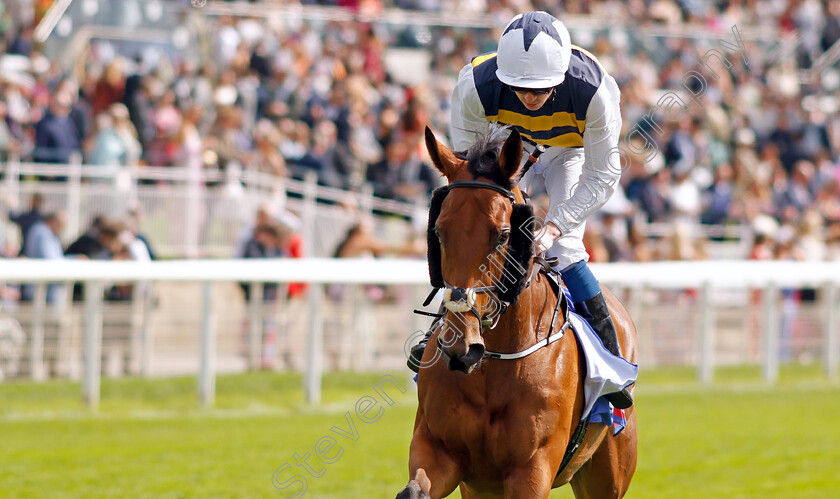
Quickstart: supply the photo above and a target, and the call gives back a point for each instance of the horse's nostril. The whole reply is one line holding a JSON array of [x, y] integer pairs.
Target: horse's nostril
[[474, 354]]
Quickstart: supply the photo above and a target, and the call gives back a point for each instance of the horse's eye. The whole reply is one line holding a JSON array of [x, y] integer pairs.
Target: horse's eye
[[504, 236], [437, 234]]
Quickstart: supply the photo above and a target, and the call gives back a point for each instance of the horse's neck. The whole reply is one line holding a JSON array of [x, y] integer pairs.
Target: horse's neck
[[527, 321]]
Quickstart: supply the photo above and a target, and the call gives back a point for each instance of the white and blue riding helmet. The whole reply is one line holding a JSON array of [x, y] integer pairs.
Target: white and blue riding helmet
[[534, 51]]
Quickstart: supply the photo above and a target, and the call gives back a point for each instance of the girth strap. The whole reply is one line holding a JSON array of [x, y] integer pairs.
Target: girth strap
[[574, 444]]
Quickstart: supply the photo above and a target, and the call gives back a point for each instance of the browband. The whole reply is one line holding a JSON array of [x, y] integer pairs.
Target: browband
[[484, 185]]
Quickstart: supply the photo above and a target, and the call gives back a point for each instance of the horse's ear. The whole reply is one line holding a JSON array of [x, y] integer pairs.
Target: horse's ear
[[511, 156], [443, 159]]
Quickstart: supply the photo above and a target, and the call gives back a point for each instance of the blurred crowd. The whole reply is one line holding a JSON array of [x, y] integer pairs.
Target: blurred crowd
[[107, 238], [287, 97]]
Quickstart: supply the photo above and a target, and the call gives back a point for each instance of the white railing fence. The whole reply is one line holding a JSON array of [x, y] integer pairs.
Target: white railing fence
[[200, 214], [738, 312], [188, 215]]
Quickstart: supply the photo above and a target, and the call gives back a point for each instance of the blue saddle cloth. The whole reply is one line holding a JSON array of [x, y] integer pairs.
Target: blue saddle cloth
[[602, 412]]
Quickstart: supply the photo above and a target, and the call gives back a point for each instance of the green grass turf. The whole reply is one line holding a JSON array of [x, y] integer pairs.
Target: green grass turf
[[738, 437]]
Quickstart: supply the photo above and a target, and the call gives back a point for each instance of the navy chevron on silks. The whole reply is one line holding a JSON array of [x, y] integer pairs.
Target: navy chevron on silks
[[534, 23]]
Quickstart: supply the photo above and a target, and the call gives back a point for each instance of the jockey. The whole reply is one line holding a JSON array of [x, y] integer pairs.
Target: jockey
[[559, 96]]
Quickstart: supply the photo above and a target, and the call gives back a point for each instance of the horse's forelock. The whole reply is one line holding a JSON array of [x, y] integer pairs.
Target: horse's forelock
[[483, 157]]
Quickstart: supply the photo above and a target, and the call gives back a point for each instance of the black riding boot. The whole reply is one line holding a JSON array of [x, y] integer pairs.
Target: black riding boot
[[600, 320], [415, 355]]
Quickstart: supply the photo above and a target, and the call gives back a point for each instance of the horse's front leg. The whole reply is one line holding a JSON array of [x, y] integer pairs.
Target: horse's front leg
[[532, 480], [432, 472]]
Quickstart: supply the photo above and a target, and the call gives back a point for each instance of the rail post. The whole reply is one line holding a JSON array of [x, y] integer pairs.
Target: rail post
[[36, 347], [314, 350], [831, 326], [706, 367], [207, 372], [255, 326], [93, 342], [770, 368]]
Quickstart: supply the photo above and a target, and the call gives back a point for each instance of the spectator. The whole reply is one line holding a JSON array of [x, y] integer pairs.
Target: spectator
[[828, 200], [798, 193], [228, 139], [295, 139], [359, 242], [124, 130], [656, 196], [80, 111], [43, 242], [290, 245], [718, 197], [265, 216], [23, 42], [107, 149], [56, 136], [189, 142], [811, 240], [9, 145], [267, 158], [26, 220], [166, 122], [140, 246], [325, 158], [684, 197], [764, 229], [139, 104], [110, 87], [128, 246], [401, 175], [99, 242], [265, 243]]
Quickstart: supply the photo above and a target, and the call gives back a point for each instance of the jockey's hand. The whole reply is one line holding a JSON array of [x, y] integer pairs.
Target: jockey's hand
[[550, 233]]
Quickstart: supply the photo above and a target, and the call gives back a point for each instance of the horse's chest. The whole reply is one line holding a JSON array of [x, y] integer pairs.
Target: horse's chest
[[495, 426]]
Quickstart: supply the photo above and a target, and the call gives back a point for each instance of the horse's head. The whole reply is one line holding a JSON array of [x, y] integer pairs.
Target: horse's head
[[480, 240]]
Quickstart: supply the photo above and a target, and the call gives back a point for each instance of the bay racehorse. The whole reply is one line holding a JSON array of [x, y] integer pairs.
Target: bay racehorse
[[498, 427]]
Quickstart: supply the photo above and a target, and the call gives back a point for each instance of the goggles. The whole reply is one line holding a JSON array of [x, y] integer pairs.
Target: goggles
[[535, 91]]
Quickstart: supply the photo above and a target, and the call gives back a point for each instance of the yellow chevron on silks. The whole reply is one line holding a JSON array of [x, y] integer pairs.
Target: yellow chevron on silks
[[566, 140], [539, 123], [479, 59], [570, 139]]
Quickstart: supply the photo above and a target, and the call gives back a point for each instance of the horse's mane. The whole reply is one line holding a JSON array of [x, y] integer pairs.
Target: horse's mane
[[483, 156]]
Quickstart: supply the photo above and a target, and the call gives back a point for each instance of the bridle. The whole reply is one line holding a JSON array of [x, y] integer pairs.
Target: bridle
[[460, 300]]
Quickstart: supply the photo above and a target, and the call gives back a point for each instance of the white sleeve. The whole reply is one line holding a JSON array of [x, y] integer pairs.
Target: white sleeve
[[601, 163], [467, 119]]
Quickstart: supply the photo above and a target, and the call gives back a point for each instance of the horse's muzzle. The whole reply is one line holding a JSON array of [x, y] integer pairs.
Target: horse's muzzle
[[464, 363]]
